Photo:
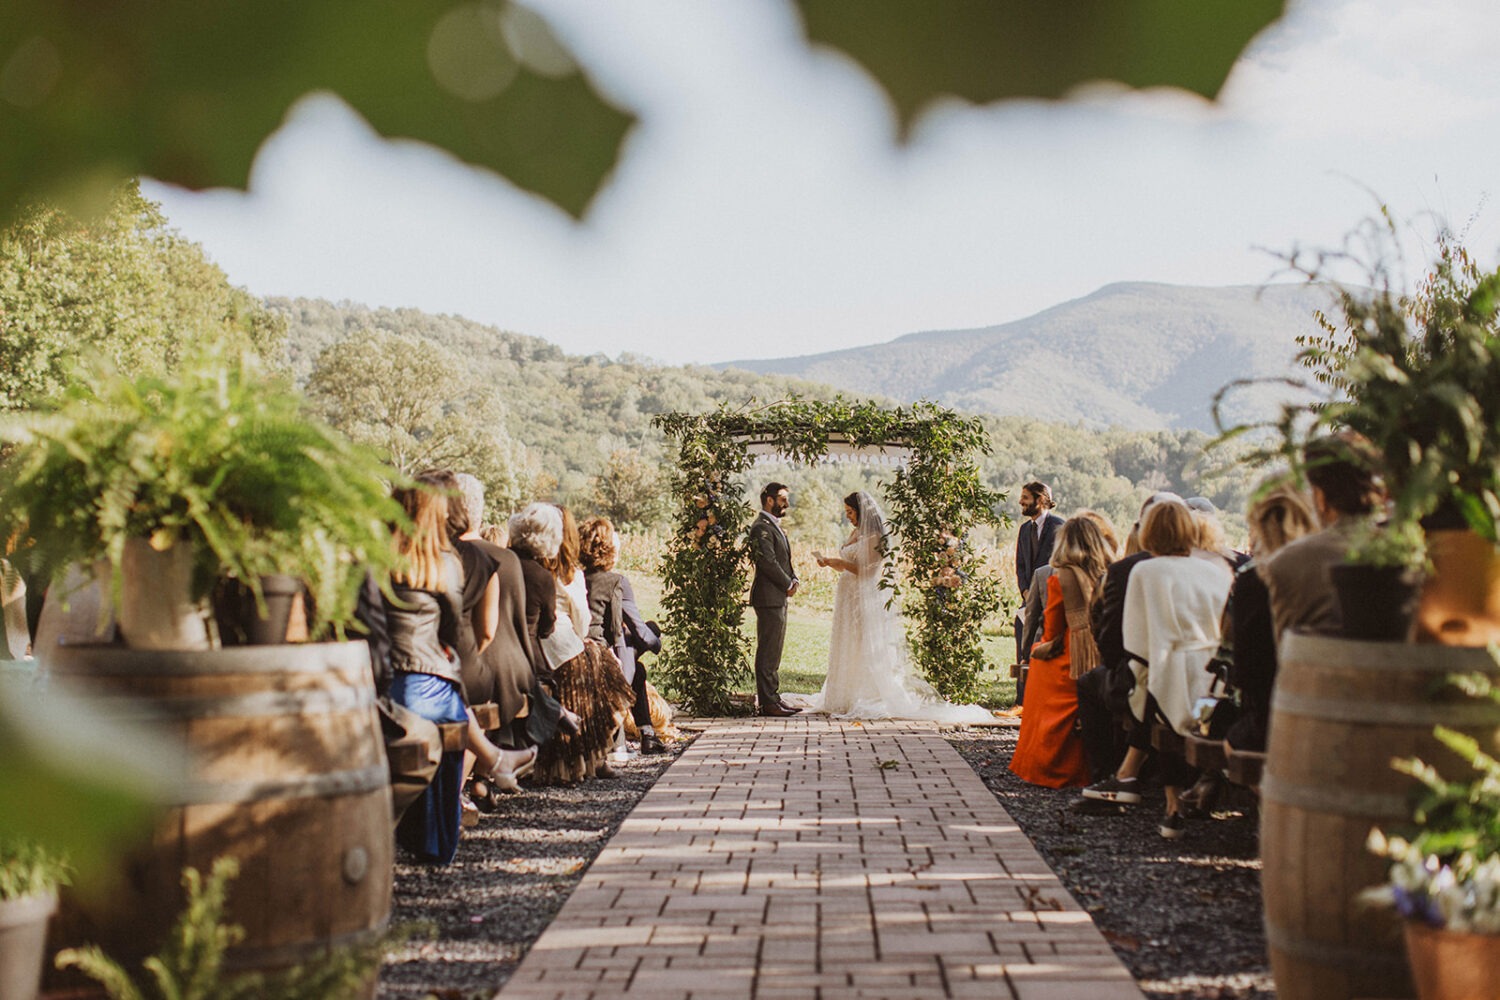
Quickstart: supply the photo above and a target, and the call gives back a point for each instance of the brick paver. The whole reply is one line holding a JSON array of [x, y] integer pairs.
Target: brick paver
[[815, 859]]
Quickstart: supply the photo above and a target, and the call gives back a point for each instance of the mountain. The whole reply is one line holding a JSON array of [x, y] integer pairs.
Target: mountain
[[1134, 355]]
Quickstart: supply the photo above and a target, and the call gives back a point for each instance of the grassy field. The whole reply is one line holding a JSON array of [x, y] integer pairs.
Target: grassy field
[[804, 661]]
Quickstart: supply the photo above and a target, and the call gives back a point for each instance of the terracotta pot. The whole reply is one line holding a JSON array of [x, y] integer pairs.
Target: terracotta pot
[[1452, 965], [157, 610], [1461, 601], [23, 944]]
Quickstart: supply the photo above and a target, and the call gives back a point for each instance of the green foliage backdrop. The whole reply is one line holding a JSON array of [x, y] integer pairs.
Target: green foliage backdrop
[[931, 504]]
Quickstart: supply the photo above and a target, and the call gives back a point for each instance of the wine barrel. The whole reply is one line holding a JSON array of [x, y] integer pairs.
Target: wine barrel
[[1341, 711], [287, 774]]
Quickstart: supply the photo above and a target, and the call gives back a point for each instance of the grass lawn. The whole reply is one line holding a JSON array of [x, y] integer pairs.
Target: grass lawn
[[804, 661]]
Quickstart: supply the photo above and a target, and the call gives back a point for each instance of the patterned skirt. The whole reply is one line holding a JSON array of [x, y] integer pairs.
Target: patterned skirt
[[591, 685]]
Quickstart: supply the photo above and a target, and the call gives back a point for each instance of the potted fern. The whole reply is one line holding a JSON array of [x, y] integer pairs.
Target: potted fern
[[1419, 376], [181, 481], [29, 877]]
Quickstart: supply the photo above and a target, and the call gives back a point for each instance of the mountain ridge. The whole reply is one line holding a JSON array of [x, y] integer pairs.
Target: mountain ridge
[[1141, 355]]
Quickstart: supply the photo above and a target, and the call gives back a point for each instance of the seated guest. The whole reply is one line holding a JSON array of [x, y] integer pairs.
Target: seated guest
[[422, 617], [615, 620], [1173, 608], [1049, 751], [1097, 704], [1211, 540], [588, 681], [1346, 491], [1168, 631], [1280, 517], [498, 667]]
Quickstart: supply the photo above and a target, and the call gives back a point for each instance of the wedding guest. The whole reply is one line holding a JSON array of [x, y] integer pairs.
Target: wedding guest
[[1033, 549], [586, 677], [1049, 751], [1346, 490], [500, 668], [1280, 517], [1173, 607], [1114, 765], [422, 614], [616, 621]]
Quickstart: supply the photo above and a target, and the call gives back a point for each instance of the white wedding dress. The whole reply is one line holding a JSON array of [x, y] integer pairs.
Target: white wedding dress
[[869, 674]]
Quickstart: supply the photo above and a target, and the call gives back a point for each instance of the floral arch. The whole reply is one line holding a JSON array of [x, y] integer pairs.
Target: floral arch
[[932, 501]]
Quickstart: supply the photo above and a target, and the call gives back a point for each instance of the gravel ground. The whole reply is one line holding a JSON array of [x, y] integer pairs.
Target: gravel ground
[[1184, 916], [513, 873]]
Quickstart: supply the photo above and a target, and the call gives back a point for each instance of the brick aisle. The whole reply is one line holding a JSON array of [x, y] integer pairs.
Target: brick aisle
[[817, 859]]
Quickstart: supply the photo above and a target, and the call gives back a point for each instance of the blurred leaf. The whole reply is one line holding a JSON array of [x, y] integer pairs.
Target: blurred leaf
[[185, 92], [984, 50], [72, 783]]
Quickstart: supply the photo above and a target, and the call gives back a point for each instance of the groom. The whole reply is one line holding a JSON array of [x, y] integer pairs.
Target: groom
[[774, 582]]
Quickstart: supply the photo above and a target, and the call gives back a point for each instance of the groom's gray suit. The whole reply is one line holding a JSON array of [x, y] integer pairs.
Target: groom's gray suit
[[774, 576]]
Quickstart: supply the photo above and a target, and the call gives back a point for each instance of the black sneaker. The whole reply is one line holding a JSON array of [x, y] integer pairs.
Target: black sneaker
[[651, 745], [1172, 826], [1126, 790]]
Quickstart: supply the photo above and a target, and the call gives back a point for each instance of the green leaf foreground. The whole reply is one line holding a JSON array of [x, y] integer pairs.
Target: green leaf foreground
[[186, 92], [984, 50]]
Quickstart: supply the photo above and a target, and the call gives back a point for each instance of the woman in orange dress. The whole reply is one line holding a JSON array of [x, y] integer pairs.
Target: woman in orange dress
[[1049, 751]]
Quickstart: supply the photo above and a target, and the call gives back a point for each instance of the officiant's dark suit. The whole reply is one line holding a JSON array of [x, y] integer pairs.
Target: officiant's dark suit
[[1033, 549], [775, 580]]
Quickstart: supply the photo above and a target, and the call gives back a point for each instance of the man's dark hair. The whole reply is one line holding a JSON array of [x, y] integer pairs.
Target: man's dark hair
[[1345, 467], [1042, 492], [769, 491]]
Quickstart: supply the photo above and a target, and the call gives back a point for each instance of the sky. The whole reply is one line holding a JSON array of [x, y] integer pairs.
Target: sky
[[761, 207]]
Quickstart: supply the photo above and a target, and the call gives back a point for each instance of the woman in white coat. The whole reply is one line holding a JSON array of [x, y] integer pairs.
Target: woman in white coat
[[1173, 607]]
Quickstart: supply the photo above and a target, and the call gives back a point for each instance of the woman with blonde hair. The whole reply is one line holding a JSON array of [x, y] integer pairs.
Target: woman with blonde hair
[[422, 610], [1049, 751]]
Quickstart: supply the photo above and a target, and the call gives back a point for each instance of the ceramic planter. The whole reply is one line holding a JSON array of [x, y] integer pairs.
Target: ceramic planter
[[1452, 965], [23, 944], [157, 610], [239, 620], [1377, 602]]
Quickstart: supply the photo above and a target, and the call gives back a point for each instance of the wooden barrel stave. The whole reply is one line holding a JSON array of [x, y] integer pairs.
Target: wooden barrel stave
[[1342, 711], [288, 775]]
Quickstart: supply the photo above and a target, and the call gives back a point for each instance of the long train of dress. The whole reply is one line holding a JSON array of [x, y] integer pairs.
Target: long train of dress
[[869, 674]]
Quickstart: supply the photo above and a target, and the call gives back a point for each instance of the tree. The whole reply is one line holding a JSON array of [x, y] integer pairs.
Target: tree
[[422, 408], [125, 289], [186, 94], [630, 491]]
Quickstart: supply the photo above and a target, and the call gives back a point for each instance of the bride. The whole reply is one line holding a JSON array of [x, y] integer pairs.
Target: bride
[[869, 675]]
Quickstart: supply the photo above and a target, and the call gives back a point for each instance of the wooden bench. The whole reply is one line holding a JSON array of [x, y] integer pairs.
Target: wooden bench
[[1166, 739], [406, 755], [1244, 767], [455, 734], [1204, 754]]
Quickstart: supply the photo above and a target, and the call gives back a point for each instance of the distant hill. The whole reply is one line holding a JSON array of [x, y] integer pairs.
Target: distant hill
[[1133, 355]]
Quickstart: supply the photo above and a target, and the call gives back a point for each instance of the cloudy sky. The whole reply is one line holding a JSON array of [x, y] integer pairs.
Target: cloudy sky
[[761, 209]]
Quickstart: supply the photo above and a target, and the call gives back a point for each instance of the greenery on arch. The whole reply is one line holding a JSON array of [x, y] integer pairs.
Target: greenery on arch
[[931, 504]]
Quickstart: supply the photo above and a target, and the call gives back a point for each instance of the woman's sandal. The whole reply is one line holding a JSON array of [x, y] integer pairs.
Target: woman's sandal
[[508, 780]]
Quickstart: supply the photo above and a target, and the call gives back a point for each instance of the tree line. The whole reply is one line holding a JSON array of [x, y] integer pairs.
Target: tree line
[[529, 419]]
